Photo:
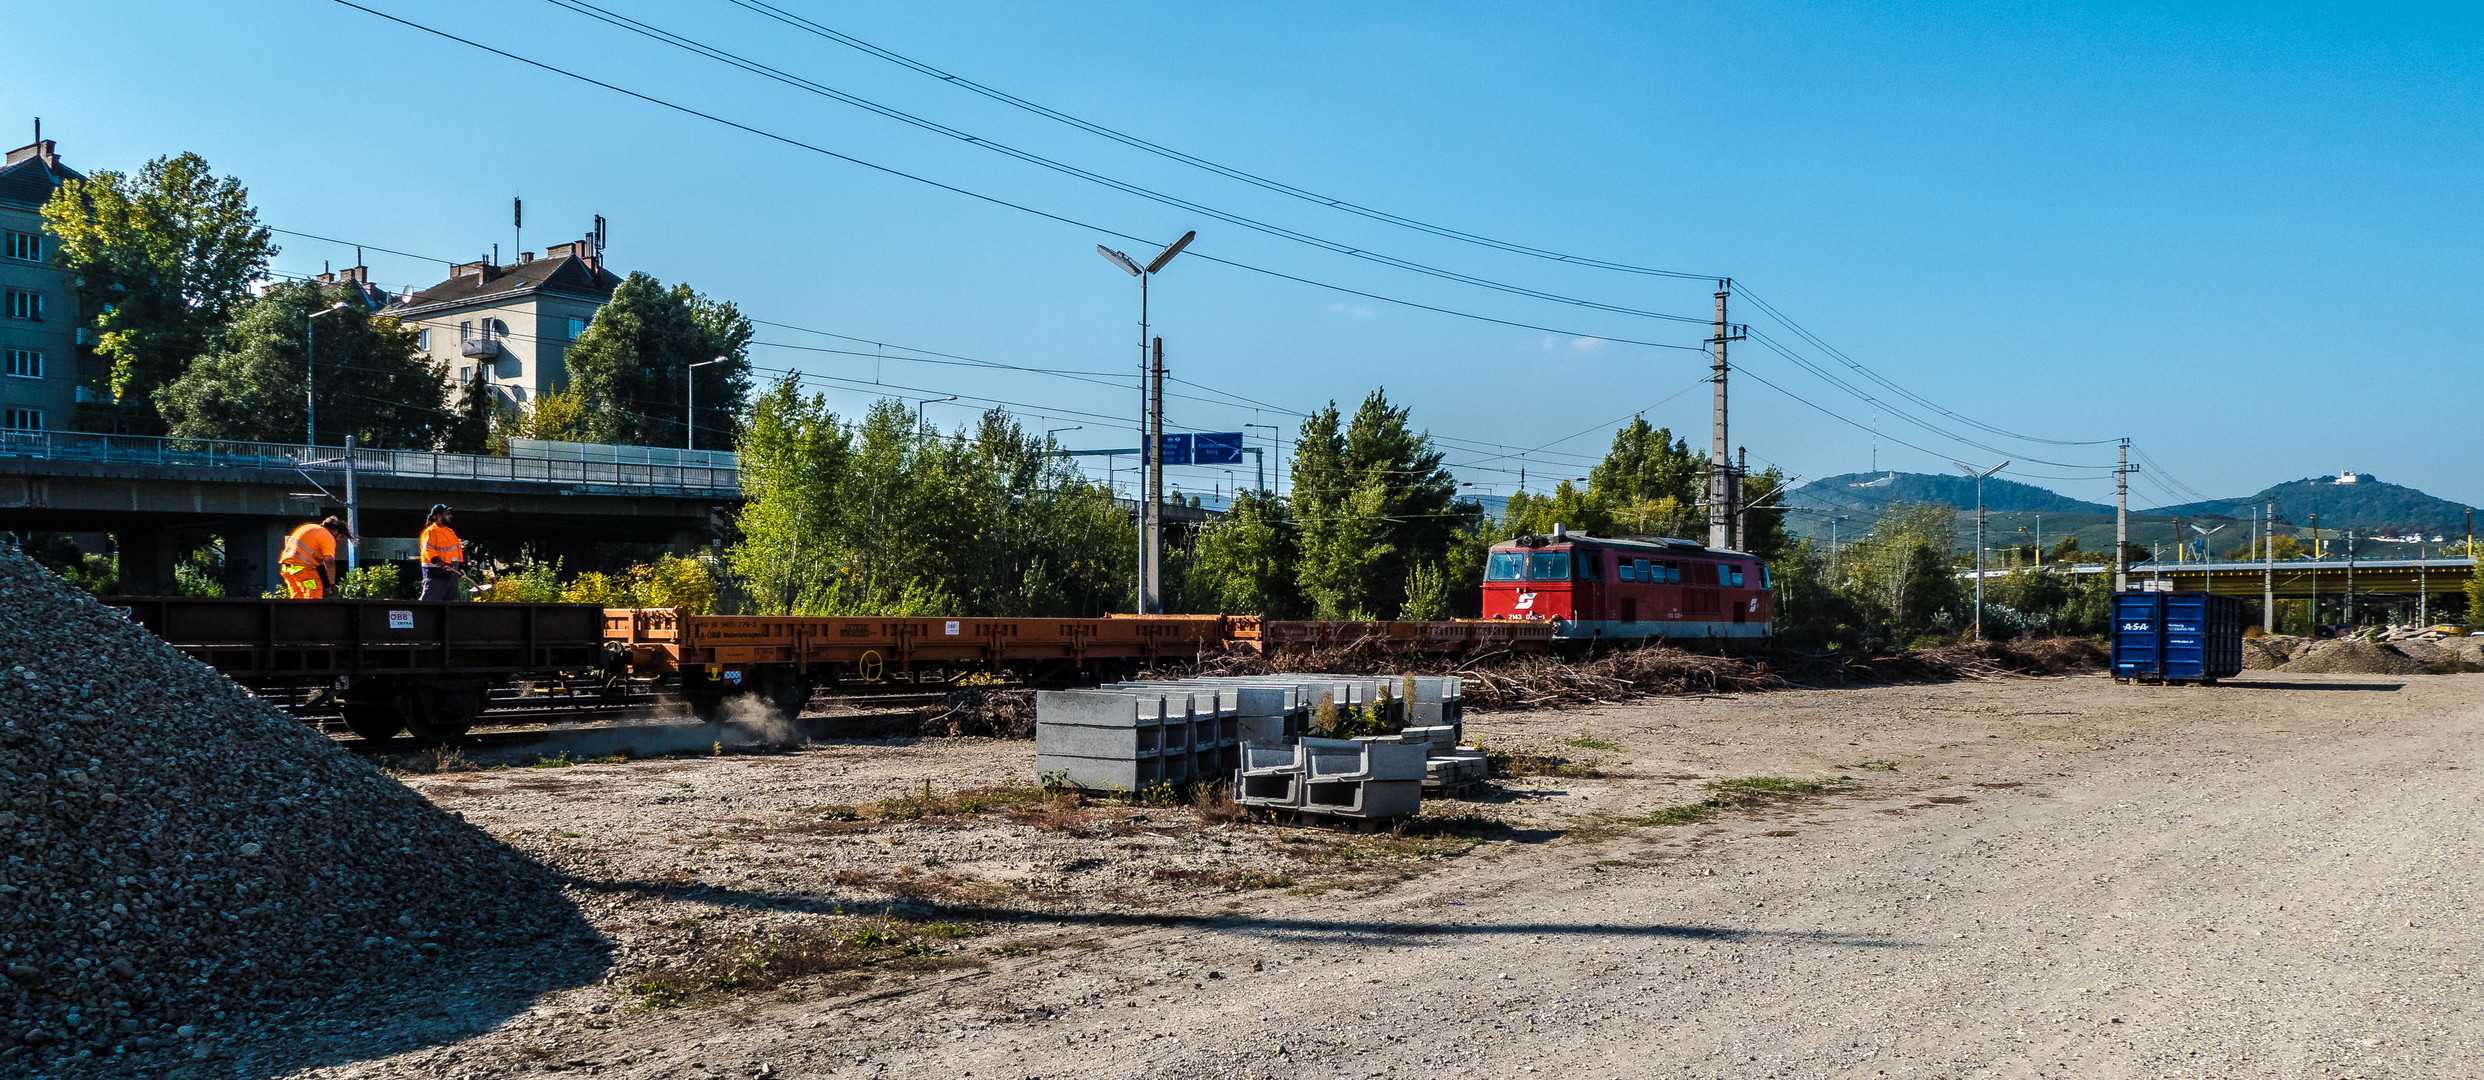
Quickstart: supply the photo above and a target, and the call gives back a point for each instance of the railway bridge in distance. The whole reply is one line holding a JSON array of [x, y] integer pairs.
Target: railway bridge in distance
[[2411, 583], [158, 496]]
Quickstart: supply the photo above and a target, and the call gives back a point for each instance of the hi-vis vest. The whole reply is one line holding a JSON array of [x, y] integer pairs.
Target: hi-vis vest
[[441, 546]]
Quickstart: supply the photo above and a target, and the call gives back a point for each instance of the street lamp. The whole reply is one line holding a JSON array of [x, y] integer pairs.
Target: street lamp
[[918, 409], [1979, 538], [1151, 517], [310, 366], [1050, 432], [690, 403]]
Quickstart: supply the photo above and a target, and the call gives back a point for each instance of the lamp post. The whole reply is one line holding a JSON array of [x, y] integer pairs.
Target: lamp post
[[690, 402], [1273, 433], [1151, 514], [1979, 538], [310, 367], [920, 405]]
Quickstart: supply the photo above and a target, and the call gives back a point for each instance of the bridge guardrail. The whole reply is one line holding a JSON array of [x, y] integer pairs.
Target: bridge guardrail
[[716, 478]]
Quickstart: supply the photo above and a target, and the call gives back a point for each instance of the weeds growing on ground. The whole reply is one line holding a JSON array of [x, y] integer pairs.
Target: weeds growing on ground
[[764, 962], [1743, 793], [1522, 763], [1584, 742]]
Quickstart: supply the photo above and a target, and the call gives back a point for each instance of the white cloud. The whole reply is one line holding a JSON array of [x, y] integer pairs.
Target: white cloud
[[1587, 344], [1359, 312]]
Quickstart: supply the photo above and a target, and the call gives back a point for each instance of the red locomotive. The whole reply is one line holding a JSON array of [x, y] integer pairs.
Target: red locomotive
[[1592, 587]]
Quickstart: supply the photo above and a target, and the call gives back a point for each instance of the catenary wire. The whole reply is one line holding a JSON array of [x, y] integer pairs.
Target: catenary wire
[[1229, 172], [732, 59], [981, 197]]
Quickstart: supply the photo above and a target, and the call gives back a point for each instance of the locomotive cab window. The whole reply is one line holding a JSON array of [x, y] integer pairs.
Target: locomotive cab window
[[1737, 575], [1506, 566], [1549, 566], [1625, 573]]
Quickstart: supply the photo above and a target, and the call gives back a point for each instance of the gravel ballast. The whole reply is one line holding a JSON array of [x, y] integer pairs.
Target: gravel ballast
[[184, 861]]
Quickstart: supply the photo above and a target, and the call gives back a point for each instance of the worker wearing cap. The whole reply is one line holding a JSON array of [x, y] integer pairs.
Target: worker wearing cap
[[308, 564], [444, 556]]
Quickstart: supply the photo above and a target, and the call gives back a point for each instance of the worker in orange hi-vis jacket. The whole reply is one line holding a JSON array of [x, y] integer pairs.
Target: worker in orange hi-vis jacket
[[308, 564], [444, 556]]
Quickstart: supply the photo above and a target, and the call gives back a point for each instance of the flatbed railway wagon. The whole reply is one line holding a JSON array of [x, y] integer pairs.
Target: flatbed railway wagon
[[783, 658], [388, 665], [1590, 588]]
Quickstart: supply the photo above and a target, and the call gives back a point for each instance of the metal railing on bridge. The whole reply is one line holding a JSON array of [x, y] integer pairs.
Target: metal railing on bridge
[[586, 465]]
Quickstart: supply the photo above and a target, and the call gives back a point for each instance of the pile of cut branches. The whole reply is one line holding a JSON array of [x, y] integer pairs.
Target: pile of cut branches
[[1541, 681]]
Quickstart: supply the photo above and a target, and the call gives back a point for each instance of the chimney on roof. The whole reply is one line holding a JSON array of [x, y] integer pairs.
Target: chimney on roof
[[480, 270], [525, 257], [40, 148]]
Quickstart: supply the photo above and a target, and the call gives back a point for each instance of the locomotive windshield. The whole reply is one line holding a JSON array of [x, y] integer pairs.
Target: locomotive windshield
[[1528, 566]]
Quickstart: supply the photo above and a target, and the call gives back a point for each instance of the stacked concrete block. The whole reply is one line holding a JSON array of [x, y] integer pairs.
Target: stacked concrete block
[[1101, 740], [1348, 778], [1448, 767], [1126, 738]]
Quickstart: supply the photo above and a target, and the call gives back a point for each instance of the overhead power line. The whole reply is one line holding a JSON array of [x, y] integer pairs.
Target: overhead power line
[[1229, 172], [977, 195], [733, 59]]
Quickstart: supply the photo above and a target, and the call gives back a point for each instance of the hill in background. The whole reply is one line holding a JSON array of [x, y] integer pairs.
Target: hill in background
[[2362, 503], [1867, 494]]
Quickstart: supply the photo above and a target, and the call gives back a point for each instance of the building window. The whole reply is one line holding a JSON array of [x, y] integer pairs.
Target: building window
[[25, 305], [465, 331], [27, 246], [24, 364], [422, 339], [494, 328], [577, 326], [16, 419]]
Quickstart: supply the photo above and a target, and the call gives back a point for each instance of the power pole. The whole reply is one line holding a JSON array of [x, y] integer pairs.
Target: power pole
[[2121, 520], [1152, 602], [2268, 569], [2350, 577], [2315, 571], [1720, 462]]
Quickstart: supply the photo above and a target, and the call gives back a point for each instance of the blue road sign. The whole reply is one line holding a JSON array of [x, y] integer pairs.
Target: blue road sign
[[1175, 451], [1216, 448]]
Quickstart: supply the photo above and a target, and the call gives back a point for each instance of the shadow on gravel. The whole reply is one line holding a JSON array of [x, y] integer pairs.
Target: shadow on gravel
[[2380, 687], [1339, 930], [400, 1009]]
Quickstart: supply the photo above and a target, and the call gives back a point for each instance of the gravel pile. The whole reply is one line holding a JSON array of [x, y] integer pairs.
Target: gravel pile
[[2354, 656], [183, 860]]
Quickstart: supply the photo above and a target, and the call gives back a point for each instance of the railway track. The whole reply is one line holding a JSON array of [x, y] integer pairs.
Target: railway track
[[655, 720]]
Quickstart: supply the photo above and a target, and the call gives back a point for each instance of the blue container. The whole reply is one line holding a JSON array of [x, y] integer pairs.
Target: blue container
[[2176, 637]]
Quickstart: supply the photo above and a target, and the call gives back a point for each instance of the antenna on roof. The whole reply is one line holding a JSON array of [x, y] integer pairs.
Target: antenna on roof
[[600, 236], [38, 129]]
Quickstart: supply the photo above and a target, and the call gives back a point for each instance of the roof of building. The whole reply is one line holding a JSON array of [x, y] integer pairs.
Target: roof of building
[[480, 282], [30, 174]]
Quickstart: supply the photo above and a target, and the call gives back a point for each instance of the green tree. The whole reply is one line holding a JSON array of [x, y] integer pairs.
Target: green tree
[[882, 518], [1373, 503], [1649, 463], [631, 368], [371, 382], [552, 415], [1567, 505], [162, 260], [1245, 563], [468, 430]]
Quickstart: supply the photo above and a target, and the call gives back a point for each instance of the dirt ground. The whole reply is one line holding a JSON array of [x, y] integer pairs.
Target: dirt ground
[[2024, 877]]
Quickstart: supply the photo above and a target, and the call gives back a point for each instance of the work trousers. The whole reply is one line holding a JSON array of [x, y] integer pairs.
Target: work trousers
[[439, 583]]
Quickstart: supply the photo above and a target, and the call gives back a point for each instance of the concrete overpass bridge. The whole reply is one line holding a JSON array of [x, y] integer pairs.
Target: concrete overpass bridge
[[155, 496]]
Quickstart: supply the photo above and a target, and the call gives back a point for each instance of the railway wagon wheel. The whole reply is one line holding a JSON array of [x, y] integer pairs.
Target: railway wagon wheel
[[437, 712], [786, 692], [374, 720]]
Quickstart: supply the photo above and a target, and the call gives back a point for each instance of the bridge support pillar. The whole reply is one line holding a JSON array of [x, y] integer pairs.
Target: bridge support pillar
[[146, 561], [250, 553]]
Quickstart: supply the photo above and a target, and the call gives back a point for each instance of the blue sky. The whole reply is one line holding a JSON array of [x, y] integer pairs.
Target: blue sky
[[2246, 236]]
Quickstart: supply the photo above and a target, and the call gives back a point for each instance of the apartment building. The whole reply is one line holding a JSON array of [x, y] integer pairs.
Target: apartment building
[[510, 325], [40, 336]]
